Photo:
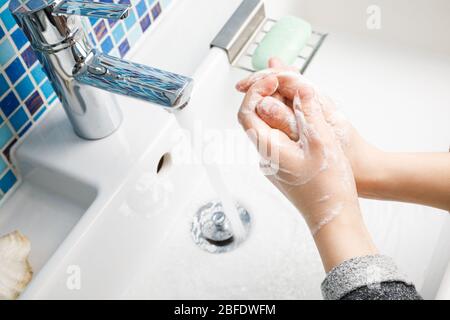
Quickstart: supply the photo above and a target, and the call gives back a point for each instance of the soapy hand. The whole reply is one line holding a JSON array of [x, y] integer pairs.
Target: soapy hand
[[305, 159], [281, 116]]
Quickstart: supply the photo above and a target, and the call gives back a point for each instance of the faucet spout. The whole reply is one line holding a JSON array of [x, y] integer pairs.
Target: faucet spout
[[169, 90], [83, 77]]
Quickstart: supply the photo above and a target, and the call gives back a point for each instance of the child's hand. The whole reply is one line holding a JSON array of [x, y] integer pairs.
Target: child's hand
[[312, 170], [361, 155]]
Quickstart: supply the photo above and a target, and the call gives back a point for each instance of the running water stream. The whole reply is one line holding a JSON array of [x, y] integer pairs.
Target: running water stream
[[187, 121]]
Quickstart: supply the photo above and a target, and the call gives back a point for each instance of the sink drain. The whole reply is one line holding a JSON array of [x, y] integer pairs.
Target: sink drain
[[211, 229]]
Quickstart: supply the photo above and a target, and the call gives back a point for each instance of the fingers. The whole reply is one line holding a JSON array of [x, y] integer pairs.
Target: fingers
[[281, 98], [274, 111], [256, 128], [270, 143], [305, 123], [310, 116], [278, 116], [263, 88], [245, 84], [291, 83], [276, 63], [276, 66]]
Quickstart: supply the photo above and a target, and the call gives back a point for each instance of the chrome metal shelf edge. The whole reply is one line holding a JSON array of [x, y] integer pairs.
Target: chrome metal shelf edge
[[238, 30]]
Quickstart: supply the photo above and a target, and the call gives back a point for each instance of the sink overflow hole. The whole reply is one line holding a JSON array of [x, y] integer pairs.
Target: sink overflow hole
[[163, 163]]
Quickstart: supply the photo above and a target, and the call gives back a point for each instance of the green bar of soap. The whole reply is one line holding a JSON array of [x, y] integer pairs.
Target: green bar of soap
[[285, 40]]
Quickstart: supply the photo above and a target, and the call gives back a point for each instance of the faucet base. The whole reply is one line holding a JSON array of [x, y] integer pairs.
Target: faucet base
[[95, 115], [82, 135]]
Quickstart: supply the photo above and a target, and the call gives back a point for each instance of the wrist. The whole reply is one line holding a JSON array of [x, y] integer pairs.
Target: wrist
[[343, 238], [372, 173], [324, 212]]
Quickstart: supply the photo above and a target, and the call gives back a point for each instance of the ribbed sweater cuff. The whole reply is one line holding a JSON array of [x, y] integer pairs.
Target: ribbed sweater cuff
[[359, 272]]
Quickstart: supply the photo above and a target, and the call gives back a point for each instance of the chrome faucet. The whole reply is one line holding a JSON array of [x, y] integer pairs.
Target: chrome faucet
[[84, 77]]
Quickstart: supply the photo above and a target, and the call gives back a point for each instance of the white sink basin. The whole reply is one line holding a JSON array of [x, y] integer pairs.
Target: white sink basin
[[141, 248], [45, 208], [134, 240]]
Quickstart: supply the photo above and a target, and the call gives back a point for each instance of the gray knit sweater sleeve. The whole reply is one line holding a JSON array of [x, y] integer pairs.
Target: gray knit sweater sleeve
[[368, 278]]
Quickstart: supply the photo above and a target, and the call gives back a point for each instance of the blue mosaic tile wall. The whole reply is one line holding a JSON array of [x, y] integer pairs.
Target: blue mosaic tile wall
[[25, 92]]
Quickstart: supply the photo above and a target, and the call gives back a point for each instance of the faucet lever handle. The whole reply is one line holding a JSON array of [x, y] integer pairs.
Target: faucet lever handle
[[87, 8]]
